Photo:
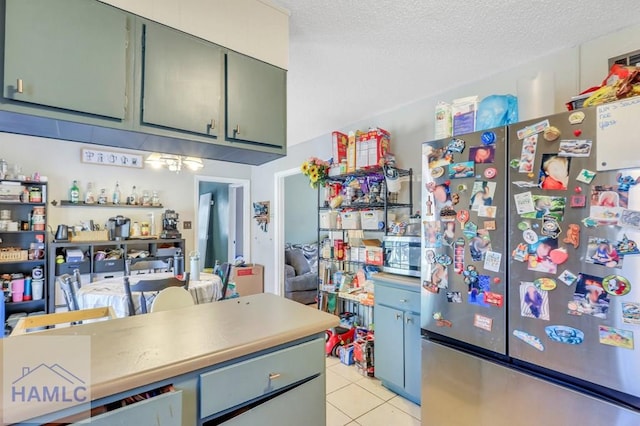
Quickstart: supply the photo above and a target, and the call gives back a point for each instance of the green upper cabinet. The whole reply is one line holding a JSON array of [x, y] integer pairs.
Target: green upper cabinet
[[255, 101], [181, 82], [68, 54]]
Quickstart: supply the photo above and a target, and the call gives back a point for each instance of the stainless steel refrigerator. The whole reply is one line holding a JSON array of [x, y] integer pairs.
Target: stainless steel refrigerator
[[531, 272]]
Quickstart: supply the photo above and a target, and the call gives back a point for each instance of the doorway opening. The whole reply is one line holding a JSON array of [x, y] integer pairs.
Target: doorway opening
[[223, 219]]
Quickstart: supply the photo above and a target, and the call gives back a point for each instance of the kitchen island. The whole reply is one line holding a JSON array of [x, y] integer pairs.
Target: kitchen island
[[239, 361]]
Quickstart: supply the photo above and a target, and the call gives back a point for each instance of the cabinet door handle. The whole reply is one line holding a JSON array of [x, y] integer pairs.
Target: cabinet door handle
[[236, 130], [19, 88], [409, 320], [212, 124], [398, 316], [273, 376]]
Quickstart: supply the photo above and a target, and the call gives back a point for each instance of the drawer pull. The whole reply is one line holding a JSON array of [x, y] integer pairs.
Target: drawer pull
[[273, 376], [398, 316], [19, 87], [403, 300], [409, 320]]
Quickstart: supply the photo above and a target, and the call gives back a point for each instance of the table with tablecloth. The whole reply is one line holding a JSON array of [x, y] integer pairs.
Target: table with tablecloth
[[111, 292]]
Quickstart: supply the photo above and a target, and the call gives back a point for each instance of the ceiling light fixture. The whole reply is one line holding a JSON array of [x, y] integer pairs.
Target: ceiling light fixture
[[174, 162]]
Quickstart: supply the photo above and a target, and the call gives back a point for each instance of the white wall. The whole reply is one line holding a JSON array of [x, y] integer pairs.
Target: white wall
[[255, 28], [60, 162], [545, 84]]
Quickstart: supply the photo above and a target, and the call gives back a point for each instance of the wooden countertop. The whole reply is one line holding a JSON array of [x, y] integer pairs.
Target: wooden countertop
[[130, 352]]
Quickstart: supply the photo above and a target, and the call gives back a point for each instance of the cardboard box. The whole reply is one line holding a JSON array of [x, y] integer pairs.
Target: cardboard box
[[373, 252], [339, 147], [378, 143], [351, 152], [463, 112], [248, 279]]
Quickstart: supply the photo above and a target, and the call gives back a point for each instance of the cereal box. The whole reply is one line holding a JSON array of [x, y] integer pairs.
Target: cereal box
[[339, 147]]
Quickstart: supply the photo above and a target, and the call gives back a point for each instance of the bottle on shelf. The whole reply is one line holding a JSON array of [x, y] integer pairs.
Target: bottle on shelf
[[155, 200], [89, 196], [115, 199], [74, 193], [133, 198], [102, 198]]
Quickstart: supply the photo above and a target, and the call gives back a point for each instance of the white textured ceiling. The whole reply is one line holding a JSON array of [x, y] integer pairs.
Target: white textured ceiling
[[351, 59]]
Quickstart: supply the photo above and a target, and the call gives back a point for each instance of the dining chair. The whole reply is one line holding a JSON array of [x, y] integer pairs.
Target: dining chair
[[147, 266], [27, 323], [70, 284], [150, 286], [172, 298]]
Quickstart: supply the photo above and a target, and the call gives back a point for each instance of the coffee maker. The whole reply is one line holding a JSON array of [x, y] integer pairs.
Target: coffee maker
[[119, 228], [170, 225]]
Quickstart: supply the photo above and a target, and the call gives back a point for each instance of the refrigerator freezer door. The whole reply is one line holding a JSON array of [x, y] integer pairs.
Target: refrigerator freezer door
[[560, 314], [461, 389], [464, 238]]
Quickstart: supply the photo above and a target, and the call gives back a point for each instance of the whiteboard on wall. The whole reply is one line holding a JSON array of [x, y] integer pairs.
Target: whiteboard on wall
[[618, 135]]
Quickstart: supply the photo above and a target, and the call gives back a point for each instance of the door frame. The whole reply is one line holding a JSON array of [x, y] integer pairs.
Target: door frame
[[246, 216], [278, 227]]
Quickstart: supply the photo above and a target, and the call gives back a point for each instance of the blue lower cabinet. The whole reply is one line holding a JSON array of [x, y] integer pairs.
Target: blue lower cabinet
[[397, 335]]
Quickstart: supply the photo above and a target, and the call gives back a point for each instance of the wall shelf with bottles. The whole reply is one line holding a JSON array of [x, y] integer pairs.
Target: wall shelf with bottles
[[67, 203]]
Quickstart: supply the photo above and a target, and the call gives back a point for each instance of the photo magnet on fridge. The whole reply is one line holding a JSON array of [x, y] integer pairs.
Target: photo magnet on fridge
[[481, 154], [554, 173], [615, 337], [602, 252], [631, 312], [589, 297], [534, 303], [574, 148]]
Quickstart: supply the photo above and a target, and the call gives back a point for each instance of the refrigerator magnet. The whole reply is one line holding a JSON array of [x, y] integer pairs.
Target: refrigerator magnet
[[585, 176], [470, 230], [493, 298], [576, 117], [440, 321], [488, 138], [568, 277], [482, 154], [564, 334], [551, 133], [489, 225], [492, 261], [577, 201], [627, 247], [615, 337], [616, 285], [462, 170], [455, 145], [437, 172], [626, 182], [482, 322], [529, 236], [529, 339], [631, 312], [454, 297], [520, 253], [559, 255], [490, 172], [550, 226], [546, 284], [458, 255], [573, 235], [463, 217]]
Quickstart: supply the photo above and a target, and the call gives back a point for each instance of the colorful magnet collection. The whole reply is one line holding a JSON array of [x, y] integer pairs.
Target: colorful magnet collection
[[546, 240]]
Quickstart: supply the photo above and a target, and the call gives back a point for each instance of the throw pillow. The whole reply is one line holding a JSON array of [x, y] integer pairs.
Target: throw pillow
[[295, 257]]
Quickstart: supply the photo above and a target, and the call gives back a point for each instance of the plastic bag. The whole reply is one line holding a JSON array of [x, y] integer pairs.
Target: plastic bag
[[497, 110]]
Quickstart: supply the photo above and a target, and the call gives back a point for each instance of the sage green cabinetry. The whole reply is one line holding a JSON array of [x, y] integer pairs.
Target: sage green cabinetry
[[397, 348], [255, 101], [68, 54], [84, 71], [181, 81]]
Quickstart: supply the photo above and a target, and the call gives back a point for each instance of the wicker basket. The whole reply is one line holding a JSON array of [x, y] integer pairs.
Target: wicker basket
[[89, 236], [13, 255]]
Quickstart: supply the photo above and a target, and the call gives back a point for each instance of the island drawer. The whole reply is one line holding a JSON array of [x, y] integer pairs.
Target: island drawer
[[161, 410], [238, 383], [397, 298]]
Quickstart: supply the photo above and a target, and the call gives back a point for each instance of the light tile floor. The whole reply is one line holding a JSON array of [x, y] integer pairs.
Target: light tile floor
[[353, 399]]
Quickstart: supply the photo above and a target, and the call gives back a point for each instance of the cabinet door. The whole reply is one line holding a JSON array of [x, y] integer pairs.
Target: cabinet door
[[389, 345], [412, 358], [68, 54], [181, 81], [255, 101]]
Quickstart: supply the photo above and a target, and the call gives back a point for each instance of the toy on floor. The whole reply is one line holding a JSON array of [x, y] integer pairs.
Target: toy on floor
[[341, 335]]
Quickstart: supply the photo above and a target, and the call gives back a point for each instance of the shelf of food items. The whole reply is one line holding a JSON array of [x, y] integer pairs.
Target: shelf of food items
[[360, 203]]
